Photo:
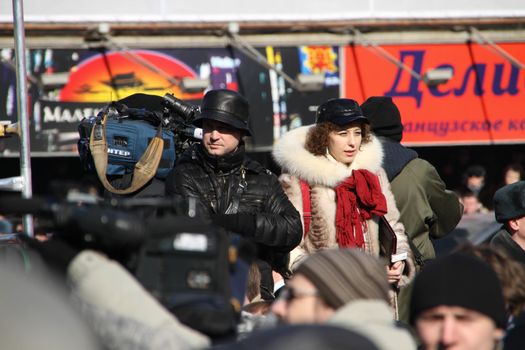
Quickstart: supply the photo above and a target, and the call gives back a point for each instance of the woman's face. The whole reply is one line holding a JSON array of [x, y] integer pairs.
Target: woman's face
[[344, 144]]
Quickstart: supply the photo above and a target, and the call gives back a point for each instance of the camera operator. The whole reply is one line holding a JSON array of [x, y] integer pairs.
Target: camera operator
[[240, 194]]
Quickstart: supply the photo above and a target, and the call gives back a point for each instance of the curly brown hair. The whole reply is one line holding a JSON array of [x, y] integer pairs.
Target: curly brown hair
[[510, 273], [317, 138]]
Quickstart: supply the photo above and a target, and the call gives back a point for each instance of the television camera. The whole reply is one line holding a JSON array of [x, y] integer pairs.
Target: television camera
[[182, 260]]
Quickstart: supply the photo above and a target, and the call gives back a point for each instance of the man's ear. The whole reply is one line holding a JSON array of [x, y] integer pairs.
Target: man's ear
[[499, 334], [514, 224]]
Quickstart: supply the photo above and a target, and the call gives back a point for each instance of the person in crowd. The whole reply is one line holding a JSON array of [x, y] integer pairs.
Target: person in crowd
[[334, 168], [427, 209], [474, 178], [237, 193], [510, 273], [347, 288], [475, 181], [254, 309], [303, 337], [512, 277], [457, 303], [471, 203], [509, 209], [512, 173]]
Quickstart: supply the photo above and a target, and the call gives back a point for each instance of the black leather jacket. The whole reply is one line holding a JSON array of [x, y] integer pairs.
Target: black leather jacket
[[216, 181]]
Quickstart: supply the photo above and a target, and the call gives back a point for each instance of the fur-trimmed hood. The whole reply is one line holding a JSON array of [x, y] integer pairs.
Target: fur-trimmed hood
[[293, 158]]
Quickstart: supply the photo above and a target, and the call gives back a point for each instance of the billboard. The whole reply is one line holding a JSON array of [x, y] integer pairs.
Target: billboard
[[483, 102], [67, 85]]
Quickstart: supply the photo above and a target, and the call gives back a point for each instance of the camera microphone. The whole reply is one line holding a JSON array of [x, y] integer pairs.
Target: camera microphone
[[192, 132]]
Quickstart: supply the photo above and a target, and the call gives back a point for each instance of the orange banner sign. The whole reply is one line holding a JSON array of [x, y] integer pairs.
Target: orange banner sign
[[483, 102]]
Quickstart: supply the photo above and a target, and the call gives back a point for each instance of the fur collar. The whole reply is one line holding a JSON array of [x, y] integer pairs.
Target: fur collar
[[293, 158]]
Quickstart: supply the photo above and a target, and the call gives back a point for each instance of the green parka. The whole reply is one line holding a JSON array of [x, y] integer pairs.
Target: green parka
[[427, 209]]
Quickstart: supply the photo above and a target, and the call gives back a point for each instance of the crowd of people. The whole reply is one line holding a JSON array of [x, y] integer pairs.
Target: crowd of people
[[338, 249]]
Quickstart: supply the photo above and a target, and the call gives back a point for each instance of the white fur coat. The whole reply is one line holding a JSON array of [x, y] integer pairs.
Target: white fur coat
[[323, 175]]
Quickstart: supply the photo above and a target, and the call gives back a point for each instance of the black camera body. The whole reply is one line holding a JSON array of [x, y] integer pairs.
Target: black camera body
[[189, 273], [184, 262]]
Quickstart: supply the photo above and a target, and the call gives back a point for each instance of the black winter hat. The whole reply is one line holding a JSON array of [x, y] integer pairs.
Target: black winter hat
[[225, 106], [459, 280], [340, 111], [509, 202], [384, 117]]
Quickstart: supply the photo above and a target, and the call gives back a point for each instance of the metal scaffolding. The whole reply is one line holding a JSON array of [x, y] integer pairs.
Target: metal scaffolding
[[22, 102]]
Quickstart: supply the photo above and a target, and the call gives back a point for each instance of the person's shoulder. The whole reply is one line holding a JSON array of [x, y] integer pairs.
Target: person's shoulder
[[189, 158], [420, 162], [421, 167], [257, 168], [186, 169], [500, 237]]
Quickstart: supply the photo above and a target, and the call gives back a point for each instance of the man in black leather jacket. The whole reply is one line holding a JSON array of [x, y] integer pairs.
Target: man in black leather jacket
[[239, 194]]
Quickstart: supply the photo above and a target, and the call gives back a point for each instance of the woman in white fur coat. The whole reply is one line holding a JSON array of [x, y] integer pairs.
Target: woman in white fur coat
[[340, 160]]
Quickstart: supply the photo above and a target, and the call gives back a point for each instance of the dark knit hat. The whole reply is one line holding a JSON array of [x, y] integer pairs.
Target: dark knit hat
[[384, 117], [225, 106], [461, 280], [343, 275], [509, 202], [340, 111]]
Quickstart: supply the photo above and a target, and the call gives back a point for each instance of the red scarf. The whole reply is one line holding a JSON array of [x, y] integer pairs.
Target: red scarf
[[358, 197]]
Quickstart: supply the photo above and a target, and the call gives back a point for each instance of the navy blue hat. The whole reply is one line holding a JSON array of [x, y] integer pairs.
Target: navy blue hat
[[509, 202], [340, 111], [225, 106]]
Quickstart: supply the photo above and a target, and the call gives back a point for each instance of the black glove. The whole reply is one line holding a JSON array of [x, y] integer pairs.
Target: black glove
[[55, 252], [242, 224]]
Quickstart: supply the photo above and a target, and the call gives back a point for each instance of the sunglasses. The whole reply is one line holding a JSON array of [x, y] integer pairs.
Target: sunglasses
[[289, 294]]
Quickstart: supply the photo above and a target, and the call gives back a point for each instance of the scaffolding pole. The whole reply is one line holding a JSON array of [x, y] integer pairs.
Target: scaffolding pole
[[22, 102]]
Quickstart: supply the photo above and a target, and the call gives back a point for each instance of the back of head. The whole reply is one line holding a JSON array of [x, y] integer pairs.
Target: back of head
[[344, 275], [304, 337], [475, 171], [510, 273], [460, 280], [509, 202], [384, 117]]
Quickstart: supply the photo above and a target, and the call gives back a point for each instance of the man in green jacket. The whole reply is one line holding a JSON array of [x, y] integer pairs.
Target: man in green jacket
[[428, 210]]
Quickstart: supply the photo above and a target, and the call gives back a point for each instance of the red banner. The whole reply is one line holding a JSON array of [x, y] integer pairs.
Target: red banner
[[483, 103]]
